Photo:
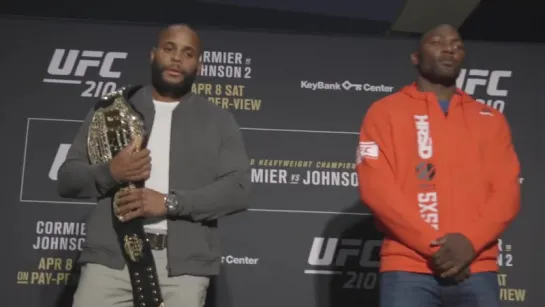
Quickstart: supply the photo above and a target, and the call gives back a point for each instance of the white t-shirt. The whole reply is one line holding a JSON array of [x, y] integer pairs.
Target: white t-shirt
[[159, 146]]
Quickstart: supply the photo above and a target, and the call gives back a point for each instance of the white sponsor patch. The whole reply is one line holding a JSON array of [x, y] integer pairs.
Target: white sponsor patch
[[366, 149]]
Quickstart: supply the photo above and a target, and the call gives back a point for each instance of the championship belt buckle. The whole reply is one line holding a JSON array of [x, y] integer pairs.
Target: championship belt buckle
[[114, 125]]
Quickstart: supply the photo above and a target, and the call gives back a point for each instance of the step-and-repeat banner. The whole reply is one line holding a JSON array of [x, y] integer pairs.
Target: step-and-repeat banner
[[307, 240]]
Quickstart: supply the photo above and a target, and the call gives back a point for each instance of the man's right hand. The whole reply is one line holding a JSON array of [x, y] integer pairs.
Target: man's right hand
[[131, 166], [459, 277], [462, 275]]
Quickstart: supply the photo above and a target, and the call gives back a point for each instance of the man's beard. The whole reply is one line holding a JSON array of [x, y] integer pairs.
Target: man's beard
[[438, 78], [430, 73], [166, 89]]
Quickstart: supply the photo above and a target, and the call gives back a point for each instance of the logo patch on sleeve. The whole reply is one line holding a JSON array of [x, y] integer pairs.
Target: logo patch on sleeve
[[366, 150]]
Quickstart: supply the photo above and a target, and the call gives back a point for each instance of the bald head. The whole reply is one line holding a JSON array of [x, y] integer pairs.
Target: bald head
[[440, 54], [438, 30]]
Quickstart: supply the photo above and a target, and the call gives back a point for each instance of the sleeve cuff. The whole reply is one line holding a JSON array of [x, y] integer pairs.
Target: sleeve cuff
[[428, 249], [477, 241], [183, 209]]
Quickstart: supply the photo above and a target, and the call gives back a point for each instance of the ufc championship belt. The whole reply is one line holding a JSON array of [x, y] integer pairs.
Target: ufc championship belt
[[114, 125]]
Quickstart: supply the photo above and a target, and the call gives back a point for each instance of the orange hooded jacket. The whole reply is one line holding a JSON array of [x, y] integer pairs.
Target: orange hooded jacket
[[424, 174]]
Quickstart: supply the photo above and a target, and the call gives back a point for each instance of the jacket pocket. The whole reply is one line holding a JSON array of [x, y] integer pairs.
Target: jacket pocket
[[192, 240], [100, 232], [213, 239]]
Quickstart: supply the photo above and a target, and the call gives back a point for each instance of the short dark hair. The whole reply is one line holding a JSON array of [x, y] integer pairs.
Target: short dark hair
[[180, 25]]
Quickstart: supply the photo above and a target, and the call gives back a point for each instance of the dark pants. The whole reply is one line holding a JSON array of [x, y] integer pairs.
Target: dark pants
[[403, 289]]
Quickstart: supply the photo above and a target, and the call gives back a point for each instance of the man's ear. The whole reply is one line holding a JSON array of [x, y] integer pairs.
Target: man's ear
[[152, 54], [415, 58]]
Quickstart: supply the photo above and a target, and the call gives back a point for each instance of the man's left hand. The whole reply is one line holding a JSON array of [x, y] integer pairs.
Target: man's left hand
[[454, 255], [144, 202]]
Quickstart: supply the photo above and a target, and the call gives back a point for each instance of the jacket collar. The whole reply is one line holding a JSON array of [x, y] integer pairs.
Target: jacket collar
[[413, 91], [142, 100]]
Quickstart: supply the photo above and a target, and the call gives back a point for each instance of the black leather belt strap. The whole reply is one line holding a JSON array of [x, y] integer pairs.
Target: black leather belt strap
[[135, 245], [140, 262]]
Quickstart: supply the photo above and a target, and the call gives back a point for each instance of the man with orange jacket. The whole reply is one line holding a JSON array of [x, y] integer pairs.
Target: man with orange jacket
[[441, 175]]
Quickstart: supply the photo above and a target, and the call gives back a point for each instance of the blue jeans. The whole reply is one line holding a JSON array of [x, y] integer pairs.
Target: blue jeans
[[404, 289]]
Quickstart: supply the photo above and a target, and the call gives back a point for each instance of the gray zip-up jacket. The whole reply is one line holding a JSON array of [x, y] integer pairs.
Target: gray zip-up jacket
[[209, 173]]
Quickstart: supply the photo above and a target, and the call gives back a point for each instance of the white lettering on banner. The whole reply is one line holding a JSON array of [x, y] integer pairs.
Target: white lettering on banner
[[100, 59], [321, 86], [98, 89], [239, 260], [505, 256], [347, 86], [314, 178], [223, 71], [67, 66], [274, 176], [378, 88], [225, 64], [366, 87], [58, 243], [222, 57], [337, 254], [347, 248], [480, 77], [425, 148], [427, 203], [331, 178], [56, 235], [474, 78], [60, 228]]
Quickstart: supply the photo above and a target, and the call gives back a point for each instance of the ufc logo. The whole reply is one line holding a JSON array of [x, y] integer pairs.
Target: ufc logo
[[480, 77], [76, 62], [337, 254]]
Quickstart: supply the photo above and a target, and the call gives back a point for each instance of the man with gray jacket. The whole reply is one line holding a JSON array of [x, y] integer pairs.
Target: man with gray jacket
[[195, 170]]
